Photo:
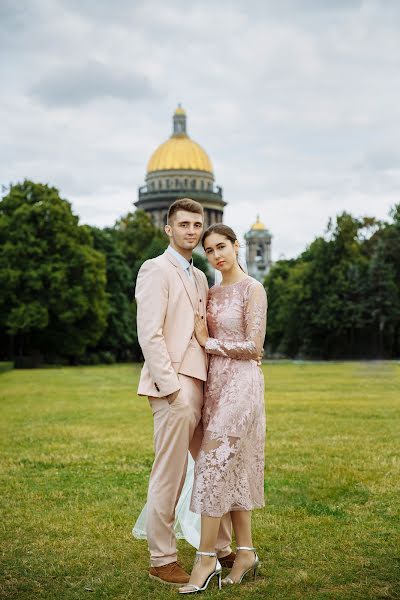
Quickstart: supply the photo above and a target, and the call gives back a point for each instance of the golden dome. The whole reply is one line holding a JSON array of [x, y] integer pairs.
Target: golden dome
[[179, 152], [258, 226]]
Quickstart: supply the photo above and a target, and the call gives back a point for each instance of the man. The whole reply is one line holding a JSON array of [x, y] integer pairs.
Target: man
[[169, 290]]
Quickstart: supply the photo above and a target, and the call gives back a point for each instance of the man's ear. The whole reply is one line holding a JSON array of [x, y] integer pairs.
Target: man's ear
[[167, 229]]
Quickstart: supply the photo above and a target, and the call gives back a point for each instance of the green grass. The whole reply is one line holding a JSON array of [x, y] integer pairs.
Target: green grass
[[76, 447]]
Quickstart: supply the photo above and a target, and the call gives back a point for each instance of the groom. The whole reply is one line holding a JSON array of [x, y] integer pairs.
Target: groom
[[169, 290]]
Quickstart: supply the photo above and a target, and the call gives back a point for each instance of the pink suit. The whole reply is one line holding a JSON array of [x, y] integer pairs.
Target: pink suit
[[174, 361]]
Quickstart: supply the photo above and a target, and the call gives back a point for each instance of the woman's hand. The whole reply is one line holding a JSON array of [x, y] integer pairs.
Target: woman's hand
[[200, 329]]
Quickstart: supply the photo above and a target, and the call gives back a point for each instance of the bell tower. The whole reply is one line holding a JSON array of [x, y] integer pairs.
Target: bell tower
[[258, 250]]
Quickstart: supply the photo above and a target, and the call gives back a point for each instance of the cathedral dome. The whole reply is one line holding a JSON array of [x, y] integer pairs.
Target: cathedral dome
[[179, 152], [258, 226], [180, 168]]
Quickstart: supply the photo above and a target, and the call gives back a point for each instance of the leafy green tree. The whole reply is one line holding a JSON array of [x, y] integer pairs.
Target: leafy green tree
[[52, 281], [383, 300], [384, 287], [200, 261], [136, 233], [393, 256], [118, 339], [340, 298], [283, 335]]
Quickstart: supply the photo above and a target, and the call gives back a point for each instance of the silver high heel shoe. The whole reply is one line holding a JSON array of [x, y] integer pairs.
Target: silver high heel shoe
[[195, 588], [254, 567]]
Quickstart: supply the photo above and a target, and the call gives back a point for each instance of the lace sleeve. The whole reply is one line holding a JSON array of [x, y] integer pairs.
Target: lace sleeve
[[255, 318]]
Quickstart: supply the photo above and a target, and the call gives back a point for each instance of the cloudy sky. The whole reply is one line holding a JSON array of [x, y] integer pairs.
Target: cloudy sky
[[297, 103]]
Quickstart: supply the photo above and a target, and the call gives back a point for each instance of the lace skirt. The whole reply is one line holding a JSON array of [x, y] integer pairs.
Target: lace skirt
[[229, 470]]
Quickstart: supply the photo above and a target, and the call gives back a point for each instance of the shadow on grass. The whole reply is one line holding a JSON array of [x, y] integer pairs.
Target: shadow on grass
[[5, 367]]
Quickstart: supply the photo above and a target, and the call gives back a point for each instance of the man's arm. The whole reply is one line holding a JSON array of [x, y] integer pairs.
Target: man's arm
[[152, 301]]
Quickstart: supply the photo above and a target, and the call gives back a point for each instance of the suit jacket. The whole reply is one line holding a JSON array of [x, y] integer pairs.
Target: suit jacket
[[166, 302]]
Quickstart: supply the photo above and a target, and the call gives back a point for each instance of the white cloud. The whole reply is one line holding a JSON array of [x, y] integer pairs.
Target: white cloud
[[297, 103]]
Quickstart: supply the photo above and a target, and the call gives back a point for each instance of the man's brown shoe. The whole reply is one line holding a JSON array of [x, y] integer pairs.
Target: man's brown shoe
[[227, 561], [171, 574]]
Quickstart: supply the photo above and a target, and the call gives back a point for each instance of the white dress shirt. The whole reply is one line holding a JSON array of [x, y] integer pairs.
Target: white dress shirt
[[185, 264]]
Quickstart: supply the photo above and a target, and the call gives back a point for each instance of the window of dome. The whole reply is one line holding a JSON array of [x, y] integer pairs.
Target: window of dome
[[167, 183], [193, 184]]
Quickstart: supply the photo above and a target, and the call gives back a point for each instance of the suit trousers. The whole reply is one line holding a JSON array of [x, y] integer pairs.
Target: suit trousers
[[177, 429]]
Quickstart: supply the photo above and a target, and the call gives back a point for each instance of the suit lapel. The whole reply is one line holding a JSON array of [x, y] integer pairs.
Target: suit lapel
[[188, 284]]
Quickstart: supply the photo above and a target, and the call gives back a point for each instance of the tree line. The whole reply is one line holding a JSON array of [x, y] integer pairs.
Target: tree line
[[341, 297], [67, 290]]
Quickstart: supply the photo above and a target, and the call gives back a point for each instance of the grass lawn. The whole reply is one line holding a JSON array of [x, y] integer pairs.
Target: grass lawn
[[76, 448]]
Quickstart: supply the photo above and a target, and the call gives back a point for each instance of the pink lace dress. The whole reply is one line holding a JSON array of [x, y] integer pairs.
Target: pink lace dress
[[229, 470]]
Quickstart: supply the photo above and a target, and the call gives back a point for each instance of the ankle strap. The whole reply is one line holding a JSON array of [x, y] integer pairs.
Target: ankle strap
[[245, 548], [206, 553]]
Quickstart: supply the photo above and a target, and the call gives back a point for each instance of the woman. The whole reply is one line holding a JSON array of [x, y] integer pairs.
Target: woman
[[229, 470]]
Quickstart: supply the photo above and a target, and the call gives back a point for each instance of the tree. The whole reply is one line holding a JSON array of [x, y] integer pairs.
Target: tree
[[200, 261], [340, 298], [136, 233], [52, 281], [384, 286], [119, 336], [383, 300], [282, 330]]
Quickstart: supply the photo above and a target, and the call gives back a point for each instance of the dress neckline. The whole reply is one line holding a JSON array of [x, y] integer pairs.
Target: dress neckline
[[224, 287]]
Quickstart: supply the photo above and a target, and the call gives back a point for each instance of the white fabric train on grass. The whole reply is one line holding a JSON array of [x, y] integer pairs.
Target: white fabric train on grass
[[187, 523]]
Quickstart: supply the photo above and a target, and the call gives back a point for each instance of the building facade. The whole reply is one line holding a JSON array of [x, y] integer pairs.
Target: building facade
[[180, 168], [258, 250]]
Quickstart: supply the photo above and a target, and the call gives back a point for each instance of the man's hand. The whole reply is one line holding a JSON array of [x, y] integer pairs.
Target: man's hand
[[172, 397]]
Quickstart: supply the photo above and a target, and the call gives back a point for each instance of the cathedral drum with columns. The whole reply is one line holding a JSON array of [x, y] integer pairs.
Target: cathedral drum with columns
[[180, 168]]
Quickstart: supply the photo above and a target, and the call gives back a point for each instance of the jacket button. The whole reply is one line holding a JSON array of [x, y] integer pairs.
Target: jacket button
[[201, 300]]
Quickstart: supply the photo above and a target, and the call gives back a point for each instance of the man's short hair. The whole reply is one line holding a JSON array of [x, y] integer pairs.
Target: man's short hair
[[185, 204]]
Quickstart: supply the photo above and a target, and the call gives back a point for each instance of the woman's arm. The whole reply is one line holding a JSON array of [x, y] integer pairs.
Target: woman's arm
[[255, 316]]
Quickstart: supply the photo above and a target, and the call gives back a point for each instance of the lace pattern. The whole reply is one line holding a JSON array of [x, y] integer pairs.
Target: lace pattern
[[229, 470]]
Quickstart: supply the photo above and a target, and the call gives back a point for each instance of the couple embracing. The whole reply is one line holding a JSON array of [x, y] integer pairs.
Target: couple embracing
[[202, 351]]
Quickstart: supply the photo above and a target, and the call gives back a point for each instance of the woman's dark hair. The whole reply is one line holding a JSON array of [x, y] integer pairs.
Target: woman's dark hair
[[222, 230]]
